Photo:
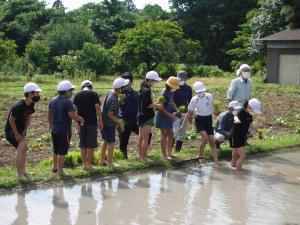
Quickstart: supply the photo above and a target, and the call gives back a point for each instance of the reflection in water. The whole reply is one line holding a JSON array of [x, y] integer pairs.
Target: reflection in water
[[267, 192]]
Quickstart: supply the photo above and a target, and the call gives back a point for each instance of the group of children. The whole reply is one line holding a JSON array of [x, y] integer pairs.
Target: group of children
[[127, 111]]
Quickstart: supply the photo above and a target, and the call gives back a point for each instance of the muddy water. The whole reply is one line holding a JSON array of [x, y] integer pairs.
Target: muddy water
[[267, 192]]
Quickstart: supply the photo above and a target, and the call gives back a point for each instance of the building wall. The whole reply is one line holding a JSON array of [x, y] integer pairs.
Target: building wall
[[274, 50]]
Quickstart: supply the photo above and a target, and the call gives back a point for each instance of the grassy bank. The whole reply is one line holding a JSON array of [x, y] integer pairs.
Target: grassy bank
[[41, 172]]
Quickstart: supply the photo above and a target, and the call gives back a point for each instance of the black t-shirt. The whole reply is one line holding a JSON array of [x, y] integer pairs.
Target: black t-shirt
[[241, 129], [21, 112], [145, 99], [85, 102]]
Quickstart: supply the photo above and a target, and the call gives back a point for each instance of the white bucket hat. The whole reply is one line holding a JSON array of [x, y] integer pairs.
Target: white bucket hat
[[153, 75], [120, 82], [30, 87], [199, 87], [235, 105], [65, 85], [255, 105], [242, 67]]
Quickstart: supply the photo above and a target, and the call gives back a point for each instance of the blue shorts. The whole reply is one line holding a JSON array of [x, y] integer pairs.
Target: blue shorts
[[163, 121], [108, 134], [61, 143], [204, 123]]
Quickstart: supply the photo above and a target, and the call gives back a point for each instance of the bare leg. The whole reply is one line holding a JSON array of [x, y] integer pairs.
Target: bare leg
[[60, 165], [235, 157], [202, 145], [144, 132], [103, 152], [211, 142], [54, 163], [241, 159], [111, 147], [170, 136], [163, 143], [21, 158], [89, 157], [83, 157]]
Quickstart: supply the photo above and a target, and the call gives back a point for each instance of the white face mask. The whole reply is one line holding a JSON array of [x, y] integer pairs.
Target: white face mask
[[181, 82], [246, 75], [173, 90], [201, 94]]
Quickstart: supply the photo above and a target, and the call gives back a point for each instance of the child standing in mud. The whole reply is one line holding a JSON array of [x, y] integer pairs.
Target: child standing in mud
[[111, 121], [242, 122], [201, 105], [165, 117], [18, 122], [146, 113], [60, 115]]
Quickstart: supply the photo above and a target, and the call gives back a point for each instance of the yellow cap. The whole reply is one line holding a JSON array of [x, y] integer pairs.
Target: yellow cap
[[173, 82]]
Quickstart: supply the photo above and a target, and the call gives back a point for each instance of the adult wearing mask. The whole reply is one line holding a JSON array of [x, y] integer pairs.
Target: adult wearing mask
[[129, 111], [182, 98], [18, 122], [240, 88]]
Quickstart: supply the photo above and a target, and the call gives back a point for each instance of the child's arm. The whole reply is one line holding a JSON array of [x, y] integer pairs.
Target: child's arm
[[253, 127], [99, 115], [186, 118], [172, 117], [27, 125], [12, 122], [75, 117]]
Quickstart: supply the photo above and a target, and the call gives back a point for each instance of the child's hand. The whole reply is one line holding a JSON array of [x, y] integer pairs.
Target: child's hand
[[173, 117], [236, 120], [81, 121]]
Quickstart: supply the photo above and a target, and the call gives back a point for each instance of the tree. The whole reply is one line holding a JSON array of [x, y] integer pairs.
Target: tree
[[152, 43], [105, 19], [20, 19], [92, 57], [213, 22], [152, 13], [7, 49], [269, 17], [57, 4], [37, 54], [130, 5], [63, 37]]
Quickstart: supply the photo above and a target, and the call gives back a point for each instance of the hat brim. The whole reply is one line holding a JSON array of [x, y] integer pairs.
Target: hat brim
[[172, 86], [126, 82], [157, 79], [258, 112], [202, 90]]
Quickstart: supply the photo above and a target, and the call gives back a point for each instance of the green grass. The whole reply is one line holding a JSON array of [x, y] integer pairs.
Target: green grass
[[42, 173]]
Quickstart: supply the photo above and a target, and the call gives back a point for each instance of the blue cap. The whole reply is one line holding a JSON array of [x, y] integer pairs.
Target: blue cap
[[182, 75]]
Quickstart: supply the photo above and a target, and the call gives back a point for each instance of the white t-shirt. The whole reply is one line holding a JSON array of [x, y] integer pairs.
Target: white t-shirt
[[202, 106]]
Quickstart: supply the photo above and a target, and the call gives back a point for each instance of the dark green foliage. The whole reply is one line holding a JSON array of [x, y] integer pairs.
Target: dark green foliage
[[213, 22]]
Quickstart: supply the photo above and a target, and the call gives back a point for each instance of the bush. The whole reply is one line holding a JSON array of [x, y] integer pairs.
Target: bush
[[37, 54], [207, 71], [93, 58], [165, 70]]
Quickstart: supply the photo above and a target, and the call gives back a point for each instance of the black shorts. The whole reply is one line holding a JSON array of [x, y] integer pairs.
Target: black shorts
[[10, 137], [237, 142], [61, 143], [204, 123], [88, 137], [108, 134]]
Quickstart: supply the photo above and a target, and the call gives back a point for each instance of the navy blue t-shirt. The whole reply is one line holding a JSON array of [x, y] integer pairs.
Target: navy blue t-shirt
[[183, 96], [61, 121]]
